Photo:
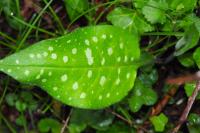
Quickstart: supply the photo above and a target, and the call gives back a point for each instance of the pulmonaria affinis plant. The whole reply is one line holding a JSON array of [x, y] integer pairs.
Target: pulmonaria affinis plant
[[92, 67]]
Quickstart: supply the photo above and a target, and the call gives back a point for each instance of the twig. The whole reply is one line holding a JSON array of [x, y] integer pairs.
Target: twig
[[184, 79], [119, 116], [163, 102], [187, 109], [155, 110], [172, 81], [66, 123]]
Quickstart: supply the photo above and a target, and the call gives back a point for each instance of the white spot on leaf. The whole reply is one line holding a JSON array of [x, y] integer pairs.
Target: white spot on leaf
[[65, 59], [68, 41], [31, 55], [117, 81], [132, 58], [74, 50], [27, 72], [87, 42], [38, 77], [119, 71], [50, 48], [17, 61], [89, 74], [83, 95], [54, 56], [41, 71], [108, 95], [44, 80], [121, 45], [118, 59], [110, 51], [95, 39], [50, 73], [75, 86], [100, 97], [89, 57], [64, 78], [104, 36], [70, 98], [128, 75], [55, 88], [45, 54], [39, 56], [103, 61], [9, 70], [125, 59], [102, 80]]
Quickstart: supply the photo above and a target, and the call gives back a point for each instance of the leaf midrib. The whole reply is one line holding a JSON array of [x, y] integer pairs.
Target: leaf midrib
[[68, 67]]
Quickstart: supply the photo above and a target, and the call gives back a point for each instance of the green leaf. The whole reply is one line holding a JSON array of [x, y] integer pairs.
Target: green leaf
[[168, 26], [49, 124], [139, 3], [194, 119], [189, 20], [182, 5], [20, 106], [92, 67], [75, 7], [146, 61], [20, 120], [189, 88], [11, 98], [10, 8], [193, 123], [76, 128], [149, 78], [186, 60], [154, 11], [196, 56], [142, 92], [159, 122], [80, 118], [119, 127], [128, 19], [188, 41], [27, 97]]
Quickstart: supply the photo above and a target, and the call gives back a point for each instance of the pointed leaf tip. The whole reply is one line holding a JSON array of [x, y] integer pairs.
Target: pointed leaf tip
[[92, 67]]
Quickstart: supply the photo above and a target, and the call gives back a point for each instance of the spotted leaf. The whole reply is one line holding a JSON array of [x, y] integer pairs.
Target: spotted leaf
[[92, 67]]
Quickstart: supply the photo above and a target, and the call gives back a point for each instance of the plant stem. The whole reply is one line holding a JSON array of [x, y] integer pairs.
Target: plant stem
[[119, 116], [31, 117], [24, 123], [101, 14], [34, 22], [56, 18], [8, 45], [66, 122], [7, 123], [187, 109], [4, 91], [18, 8], [93, 8], [163, 34], [34, 27], [8, 37]]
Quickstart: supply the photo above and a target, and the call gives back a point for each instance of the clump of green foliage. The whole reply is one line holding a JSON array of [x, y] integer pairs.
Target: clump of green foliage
[[113, 64]]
